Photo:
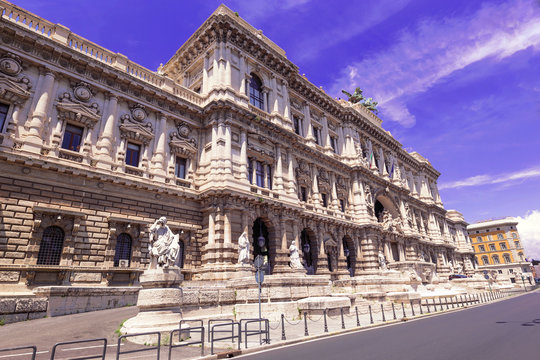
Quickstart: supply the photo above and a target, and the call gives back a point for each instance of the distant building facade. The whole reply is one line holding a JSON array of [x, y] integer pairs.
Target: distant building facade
[[226, 138], [498, 250]]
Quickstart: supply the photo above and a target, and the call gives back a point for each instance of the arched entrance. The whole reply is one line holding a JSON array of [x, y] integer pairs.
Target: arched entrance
[[261, 243], [350, 254], [331, 250], [309, 250]]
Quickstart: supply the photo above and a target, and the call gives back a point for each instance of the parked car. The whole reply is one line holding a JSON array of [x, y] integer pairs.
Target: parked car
[[457, 276]]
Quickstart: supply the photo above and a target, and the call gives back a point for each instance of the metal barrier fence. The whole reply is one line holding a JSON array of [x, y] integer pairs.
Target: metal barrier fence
[[211, 321], [102, 356], [233, 325], [157, 347], [33, 347], [261, 331], [199, 329]]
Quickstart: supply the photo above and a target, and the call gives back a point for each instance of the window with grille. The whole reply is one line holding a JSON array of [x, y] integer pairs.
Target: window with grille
[[50, 248], [123, 249], [4, 108], [485, 260], [506, 258], [72, 137], [503, 246], [255, 92], [180, 167], [297, 122], [482, 248], [303, 193], [492, 247], [496, 259], [324, 199], [132, 154]]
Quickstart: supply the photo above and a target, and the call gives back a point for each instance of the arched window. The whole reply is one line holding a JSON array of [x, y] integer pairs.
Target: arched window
[[255, 92], [496, 259], [500, 236], [521, 256], [506, 258], [50, 248], [479, 238], [514, 235], [123, 249], [485, 260]]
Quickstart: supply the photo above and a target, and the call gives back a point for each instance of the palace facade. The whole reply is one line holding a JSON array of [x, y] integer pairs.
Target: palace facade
[[225, 138]]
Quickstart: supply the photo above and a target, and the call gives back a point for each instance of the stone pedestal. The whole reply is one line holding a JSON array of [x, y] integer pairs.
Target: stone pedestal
[[159, 303]]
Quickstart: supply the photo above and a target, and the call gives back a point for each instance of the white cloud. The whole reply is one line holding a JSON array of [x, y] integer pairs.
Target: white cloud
[[438, 48], [486, 179], [529, 232]]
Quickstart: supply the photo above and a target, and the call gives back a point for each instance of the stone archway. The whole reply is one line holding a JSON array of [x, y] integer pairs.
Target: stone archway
[[259, 229], [349, 252], [308, 242]]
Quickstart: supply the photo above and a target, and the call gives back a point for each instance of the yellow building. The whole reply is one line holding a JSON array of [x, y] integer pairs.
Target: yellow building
[[499, 251]]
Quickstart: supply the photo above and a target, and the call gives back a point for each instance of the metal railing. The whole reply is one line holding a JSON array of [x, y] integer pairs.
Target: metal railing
[[33, 347], [102, 356], [199, 329], [156, 347], [232, 336], [260, 331]]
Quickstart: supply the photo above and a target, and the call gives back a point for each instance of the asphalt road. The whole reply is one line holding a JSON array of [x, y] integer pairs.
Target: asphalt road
[[508, 329]]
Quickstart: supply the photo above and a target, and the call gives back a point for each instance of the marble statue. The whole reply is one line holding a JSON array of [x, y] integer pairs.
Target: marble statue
[[382, 261], [295, 257], [164, 245], [369, 199], [243, 249]]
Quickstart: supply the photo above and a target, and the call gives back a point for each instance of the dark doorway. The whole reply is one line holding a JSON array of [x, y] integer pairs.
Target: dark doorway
[[259, 228], [379, 208], [308, 249]]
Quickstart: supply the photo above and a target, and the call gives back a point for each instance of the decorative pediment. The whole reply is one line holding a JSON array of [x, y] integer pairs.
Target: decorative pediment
[[182, 147], [135, 130], [86, 115], [14, 90], [260, 153]]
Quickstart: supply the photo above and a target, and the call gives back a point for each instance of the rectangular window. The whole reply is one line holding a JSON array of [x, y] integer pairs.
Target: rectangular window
[[316, 135], [297, 122], [516, 243], [333, 144], [303, 193], [503, 246], [132, 154], [269, 177], [250, 171], [180, 168], [342, 205], [72, 137], [3, 115], [482, 248], [491, 247], [259, 173], [324, 199]]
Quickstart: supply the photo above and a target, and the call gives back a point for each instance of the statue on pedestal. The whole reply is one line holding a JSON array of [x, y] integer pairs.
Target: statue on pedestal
[[382, 261], [295, 257], [243, 249], [164, 245]]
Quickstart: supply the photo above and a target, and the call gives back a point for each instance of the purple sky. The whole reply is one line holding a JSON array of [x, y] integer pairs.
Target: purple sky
[[458, 81]]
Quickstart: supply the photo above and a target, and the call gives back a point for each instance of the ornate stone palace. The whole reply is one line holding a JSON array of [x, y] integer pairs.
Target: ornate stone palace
[[225, 138]]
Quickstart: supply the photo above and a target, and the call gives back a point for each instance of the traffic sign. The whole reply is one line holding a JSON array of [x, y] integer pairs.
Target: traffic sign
[[259, 276], [259, 261]]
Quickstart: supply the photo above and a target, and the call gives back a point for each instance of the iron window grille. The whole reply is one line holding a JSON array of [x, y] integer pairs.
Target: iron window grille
[[50, 248]]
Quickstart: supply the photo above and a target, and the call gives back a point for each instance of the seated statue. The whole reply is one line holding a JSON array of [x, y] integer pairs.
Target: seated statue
[[382, 261], [295, 257], [243, 249], [164, 245]]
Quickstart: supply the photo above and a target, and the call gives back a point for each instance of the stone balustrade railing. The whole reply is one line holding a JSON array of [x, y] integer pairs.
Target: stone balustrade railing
[[64, 36]]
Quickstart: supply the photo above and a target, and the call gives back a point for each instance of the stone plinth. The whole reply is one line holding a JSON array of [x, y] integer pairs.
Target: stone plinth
[[316, 305], [159, 303]]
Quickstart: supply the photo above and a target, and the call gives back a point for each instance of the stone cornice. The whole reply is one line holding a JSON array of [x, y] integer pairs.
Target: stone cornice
[[224, 26]]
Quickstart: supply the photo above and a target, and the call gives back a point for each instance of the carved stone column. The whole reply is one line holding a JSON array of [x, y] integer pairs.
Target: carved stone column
[[105, 141], [158, 159], [243, 155], [33, 141]]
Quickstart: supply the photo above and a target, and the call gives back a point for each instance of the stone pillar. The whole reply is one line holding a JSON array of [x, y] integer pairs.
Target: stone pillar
[[243, 155], [322, 258], [286, 101], [325, 134], [279, 170], [34, 127], [228, 147], [315, 187], [335, 200], [211, 229], [105, 142], [370, 250], [158, 159], [205, 87], [307, 125], [242, 74], [290, 168]]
